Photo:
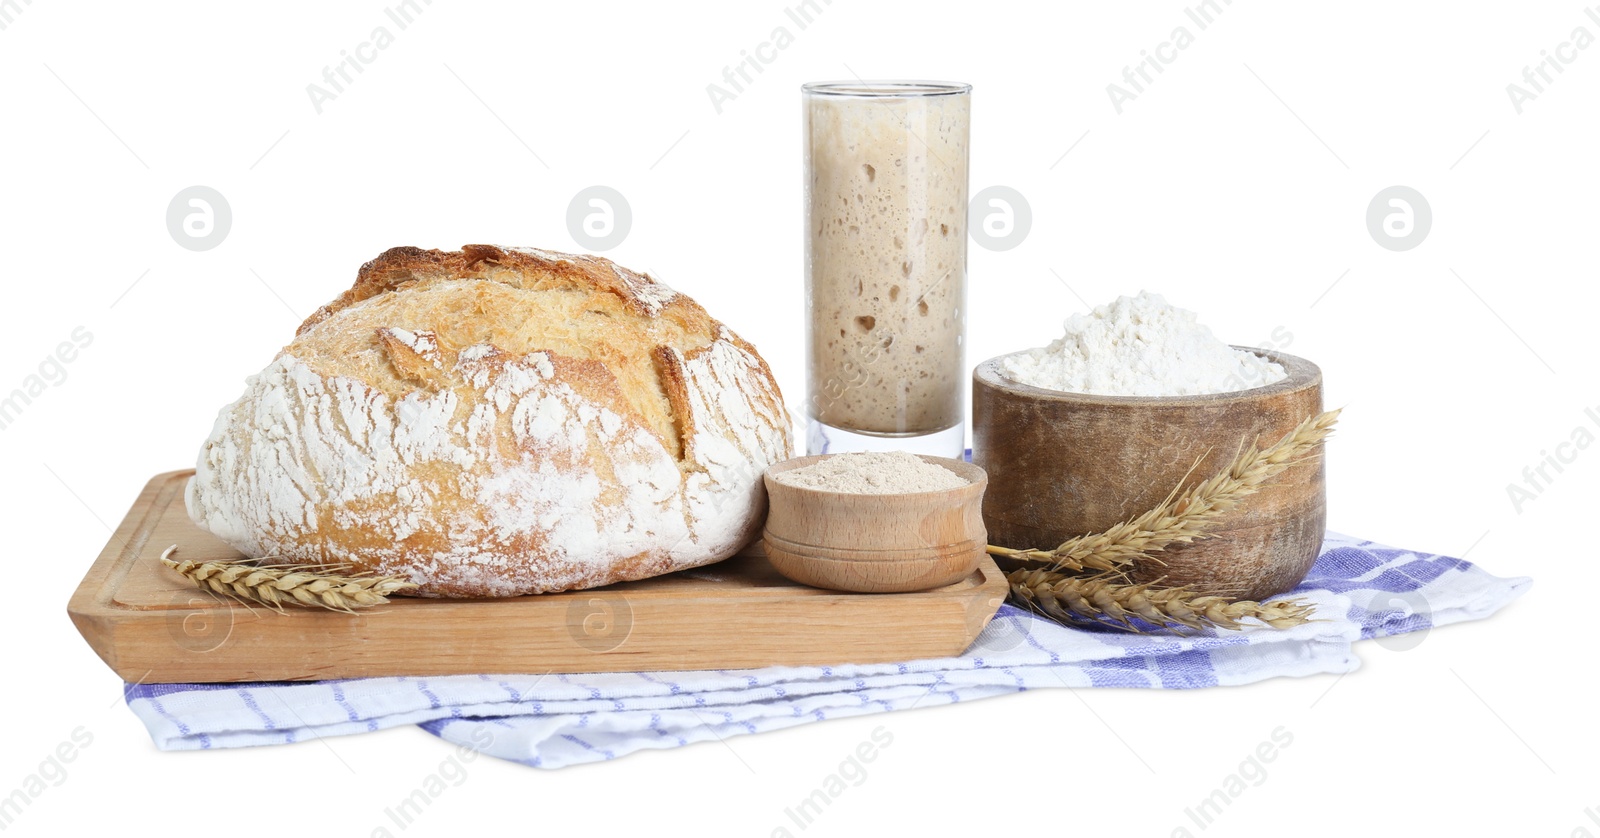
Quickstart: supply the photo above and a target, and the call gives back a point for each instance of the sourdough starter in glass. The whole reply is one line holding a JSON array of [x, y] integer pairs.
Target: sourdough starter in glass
[[886, 233]]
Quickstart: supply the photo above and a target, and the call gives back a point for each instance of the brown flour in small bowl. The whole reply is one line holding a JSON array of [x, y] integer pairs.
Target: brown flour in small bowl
[[872, 473]]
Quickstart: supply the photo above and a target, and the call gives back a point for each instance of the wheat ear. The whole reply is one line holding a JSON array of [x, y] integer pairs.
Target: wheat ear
[[1185, 514], [278, 585], [1105, 600]]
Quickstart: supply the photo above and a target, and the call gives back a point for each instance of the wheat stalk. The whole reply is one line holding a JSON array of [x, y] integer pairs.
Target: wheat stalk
[[278, 585], [1103, 599], [1045, 584], [1185, 514]]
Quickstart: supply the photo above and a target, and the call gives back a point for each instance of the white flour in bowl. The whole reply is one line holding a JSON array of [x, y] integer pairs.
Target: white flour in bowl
[[1140, 346], [872, 473]]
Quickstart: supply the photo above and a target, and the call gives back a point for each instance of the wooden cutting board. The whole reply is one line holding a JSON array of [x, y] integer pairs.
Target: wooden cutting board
[[152, 626]]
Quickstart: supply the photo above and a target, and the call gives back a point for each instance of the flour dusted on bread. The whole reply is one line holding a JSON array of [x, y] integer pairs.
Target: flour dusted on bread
[[498, 421]]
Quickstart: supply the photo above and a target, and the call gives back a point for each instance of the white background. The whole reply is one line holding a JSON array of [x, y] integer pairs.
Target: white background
[[1237, 185]]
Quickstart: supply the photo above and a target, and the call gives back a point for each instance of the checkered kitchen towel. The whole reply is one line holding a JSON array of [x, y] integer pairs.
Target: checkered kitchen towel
[[1361, 590]]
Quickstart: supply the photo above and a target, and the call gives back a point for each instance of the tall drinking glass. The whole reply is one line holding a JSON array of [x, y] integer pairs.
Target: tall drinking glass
[[886, 265]]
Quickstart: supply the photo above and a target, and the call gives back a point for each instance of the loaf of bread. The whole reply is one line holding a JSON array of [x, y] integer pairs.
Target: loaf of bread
[[498, 421]]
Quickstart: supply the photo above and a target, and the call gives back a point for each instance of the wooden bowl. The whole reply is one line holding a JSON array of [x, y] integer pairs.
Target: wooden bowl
[[1067, 464], [875, 543]]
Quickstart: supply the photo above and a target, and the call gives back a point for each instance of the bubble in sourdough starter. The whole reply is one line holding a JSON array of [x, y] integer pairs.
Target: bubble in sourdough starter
[[599, 218], [199, 218]]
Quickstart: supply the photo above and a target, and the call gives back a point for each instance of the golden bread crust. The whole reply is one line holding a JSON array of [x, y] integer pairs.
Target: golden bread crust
[[497, 421]]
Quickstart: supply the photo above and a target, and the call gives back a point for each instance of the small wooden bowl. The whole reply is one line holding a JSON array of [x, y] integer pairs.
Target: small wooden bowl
[[1068, 464], [875, 543]]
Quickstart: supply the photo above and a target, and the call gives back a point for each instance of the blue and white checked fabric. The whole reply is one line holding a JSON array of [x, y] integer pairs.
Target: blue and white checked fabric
[[1361, 590]]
